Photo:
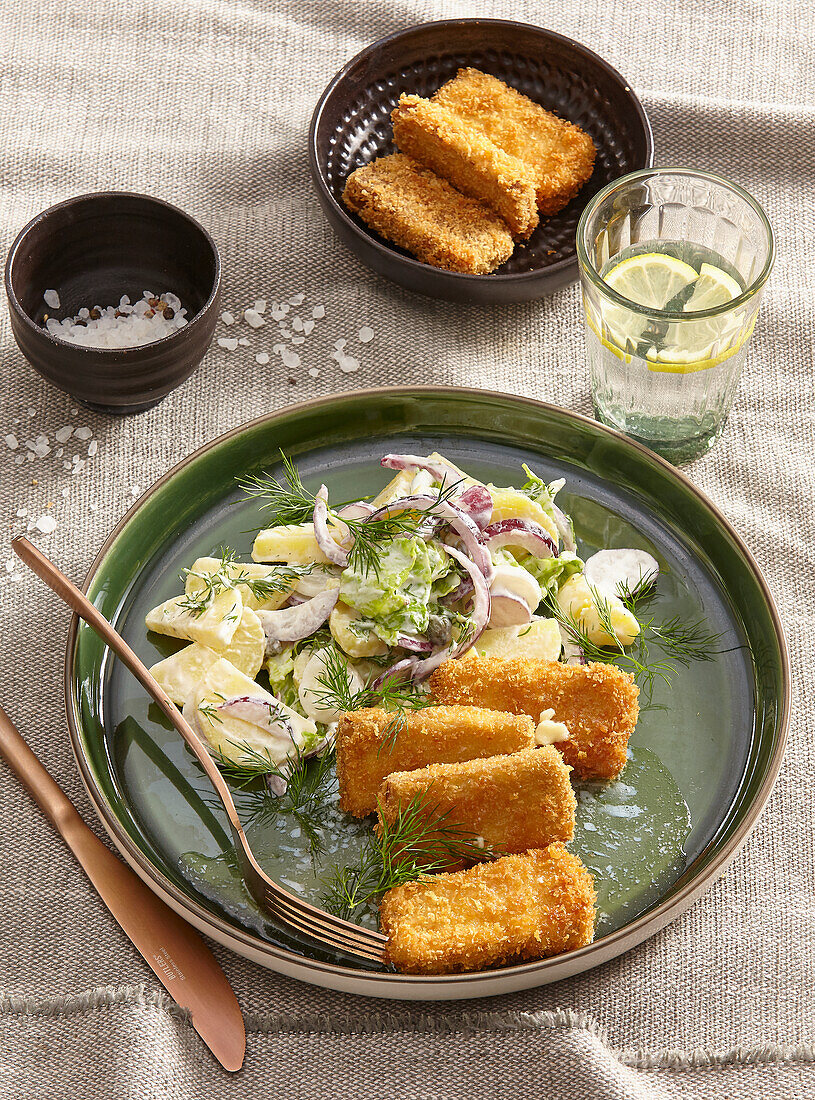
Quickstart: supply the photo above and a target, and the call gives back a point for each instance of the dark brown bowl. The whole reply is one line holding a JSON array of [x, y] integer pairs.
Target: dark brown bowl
[[92, 250], [351, 126]]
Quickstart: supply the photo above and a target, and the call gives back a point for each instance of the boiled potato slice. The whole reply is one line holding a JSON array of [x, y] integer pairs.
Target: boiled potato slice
[[538, 639], [294, 544], [231, 736], [355, 645], [180, 672], [203, 567], [213, 627], [576, 600]]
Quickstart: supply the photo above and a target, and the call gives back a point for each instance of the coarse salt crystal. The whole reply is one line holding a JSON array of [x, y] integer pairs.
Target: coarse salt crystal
[[62, 435], [260, 305], [340, 344], [262, 358], [297, 299], [93, 447], [313, 372], [348, 364], [318, 313], [253, 318], [135, 490], [10, 565], [228, 342], [32, 412], [227, 318], [244, 342], [83, 433], [308, 328], [93, 507], [298, 339], [59, 452], [22, 513], [65, 492], [366, 334], [12, 442], [297, 324], [45, 524], [51, 299], [290, 358]]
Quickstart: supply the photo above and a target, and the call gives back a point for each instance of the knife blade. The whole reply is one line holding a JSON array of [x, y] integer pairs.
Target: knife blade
[[172, 948]]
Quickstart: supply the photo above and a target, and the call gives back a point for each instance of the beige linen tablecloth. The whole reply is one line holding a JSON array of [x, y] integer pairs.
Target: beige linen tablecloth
[[206, 103]]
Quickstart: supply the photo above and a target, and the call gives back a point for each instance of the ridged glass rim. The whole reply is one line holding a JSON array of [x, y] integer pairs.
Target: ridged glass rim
[[588, 269]]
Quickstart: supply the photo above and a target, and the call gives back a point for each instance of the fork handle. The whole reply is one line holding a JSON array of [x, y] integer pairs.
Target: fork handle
[[78, 602], [48, 795]]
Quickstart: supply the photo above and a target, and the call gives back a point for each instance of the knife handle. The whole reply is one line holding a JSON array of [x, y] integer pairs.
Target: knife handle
[[48, 795]]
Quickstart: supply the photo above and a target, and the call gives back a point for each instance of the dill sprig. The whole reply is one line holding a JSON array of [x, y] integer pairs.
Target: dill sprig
[[418, 842], [681, 642], [228, 574], [306, 797], [290, 502]]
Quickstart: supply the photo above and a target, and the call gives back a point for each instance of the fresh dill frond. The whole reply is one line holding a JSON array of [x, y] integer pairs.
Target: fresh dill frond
[[684, 641], [418, 842], [288, 500], [643, 591], [210, 712], [307, 797], [229, 574]]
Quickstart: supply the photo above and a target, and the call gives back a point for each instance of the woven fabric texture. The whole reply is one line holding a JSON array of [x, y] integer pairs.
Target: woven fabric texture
[[207, 104]]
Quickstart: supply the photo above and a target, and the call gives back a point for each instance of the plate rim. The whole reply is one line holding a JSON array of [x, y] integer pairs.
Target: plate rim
[[446, 986], [326, 195]]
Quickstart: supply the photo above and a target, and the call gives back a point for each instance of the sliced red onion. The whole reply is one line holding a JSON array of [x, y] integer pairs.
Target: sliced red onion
[[260, 712], [463, 526], [461, 593], [294, 600], [439, 471], [564, 529], [277, 785], [571, 650], [290, 624], [358, 510], [329, 547], [508, 609], [477, 503], [520, 532], [402, 670], [480, 618], [414, 643]]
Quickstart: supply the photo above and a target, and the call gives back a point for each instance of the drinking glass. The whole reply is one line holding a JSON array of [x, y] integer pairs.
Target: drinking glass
[[666, 377]]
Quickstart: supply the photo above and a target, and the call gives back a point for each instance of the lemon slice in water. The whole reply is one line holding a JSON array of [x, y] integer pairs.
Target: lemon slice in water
[[714, 287], [651, 279]]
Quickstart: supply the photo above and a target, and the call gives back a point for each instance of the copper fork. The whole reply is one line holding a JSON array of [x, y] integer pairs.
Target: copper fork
[[286, 908]]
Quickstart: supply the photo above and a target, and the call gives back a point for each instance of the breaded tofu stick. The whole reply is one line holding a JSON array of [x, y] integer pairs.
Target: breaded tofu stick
[[408, 204], [474, 165], [373, 743], [513, 803], [597, 702], [519, 907], [559, 154]]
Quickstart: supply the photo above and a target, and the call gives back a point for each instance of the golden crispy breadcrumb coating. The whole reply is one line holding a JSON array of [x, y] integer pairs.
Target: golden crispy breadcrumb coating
[[597, 702], [465, 157], [513, 803], [408, 204], [370, 745], [559, 154], [519, 907]]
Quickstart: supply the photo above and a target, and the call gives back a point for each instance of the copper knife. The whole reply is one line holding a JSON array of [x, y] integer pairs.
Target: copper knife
[[173, 950]]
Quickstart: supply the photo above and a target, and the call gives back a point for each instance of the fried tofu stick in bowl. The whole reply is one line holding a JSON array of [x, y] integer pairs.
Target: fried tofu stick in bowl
[[597, 702]]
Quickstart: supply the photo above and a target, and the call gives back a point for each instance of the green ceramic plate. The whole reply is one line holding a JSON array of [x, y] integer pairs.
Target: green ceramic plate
[[702, 760]]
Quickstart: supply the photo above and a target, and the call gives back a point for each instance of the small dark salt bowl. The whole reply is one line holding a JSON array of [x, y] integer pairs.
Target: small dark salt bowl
[[92, 250], [351, 126]]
